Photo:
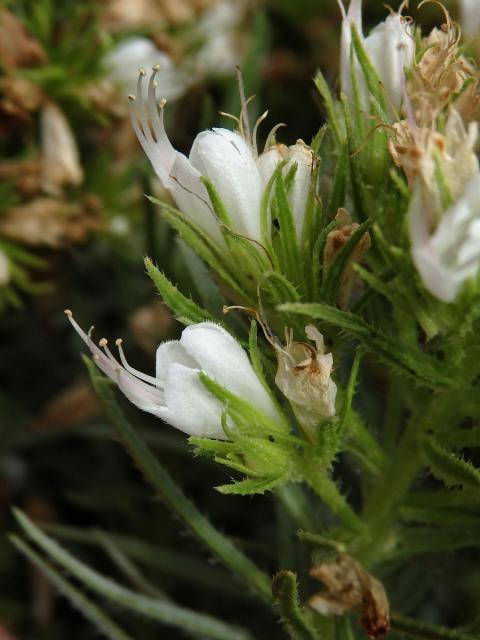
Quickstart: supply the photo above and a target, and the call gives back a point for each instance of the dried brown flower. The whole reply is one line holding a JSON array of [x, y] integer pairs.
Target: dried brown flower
[[351, 588], [50, 222]]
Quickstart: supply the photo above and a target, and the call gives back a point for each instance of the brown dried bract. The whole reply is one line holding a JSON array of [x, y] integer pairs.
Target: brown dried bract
[[350, 587], [336, 239], [50, 222], [18, 48], [26, 175], [20, 97]]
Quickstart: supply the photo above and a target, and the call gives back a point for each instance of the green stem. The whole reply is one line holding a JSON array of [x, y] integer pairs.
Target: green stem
[[328, 491], [425, 631], [381, 508]]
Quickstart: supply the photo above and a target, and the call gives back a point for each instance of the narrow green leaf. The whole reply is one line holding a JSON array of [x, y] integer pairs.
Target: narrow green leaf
[[333, 119], [290, 254], [250, 486], [350, 392], [161, 611], [420, 366], [90, 610], [216, 201], [254, 258], [444, 499], [174, 497], [416, 540], [279, 288], [425, 631], [374, 83], [126, 566], [236, 405], [444, 517], [287, 600], [165, 561], [185, 309], [337, 195], [203, 246], [256, 360], [448, 467]]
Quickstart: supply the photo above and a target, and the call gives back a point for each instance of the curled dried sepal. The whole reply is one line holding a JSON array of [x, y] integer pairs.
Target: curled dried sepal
[[304, 377], [351, 588], [336, 240]]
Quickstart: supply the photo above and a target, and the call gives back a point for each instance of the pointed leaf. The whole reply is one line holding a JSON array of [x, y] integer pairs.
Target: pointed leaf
[[174, 497], [448, 467]]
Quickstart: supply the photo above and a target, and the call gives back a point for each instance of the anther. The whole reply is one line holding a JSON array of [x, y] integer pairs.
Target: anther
[[141, 71], [132, 97], [156, 67], [103, 342], [119, 342], [68, 313], [162, 103]]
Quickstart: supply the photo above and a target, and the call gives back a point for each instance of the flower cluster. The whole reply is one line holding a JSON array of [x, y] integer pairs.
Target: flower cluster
[[266, 213]]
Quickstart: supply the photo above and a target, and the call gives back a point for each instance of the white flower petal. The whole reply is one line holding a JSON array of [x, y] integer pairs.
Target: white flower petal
[[225, 158], [169, 353], [269, 160], [192, 198], [301, 155], [189, 406], [451, 255], [391, 48], [224, 360]]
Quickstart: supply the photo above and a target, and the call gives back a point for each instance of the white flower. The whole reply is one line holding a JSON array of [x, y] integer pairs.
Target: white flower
[[390, 48], [450, 255], [219, 52], [176, 393], [470, 16], [227, 158], [304, 377], [124, 60], [300, 155]]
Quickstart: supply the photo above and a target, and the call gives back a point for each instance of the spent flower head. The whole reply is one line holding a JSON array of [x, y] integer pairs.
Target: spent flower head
[[304, 377]]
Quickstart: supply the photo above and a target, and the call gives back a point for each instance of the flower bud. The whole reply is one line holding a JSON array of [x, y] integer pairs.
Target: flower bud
[[337, 239], [176, 394], [390, 48], [226, 159], [301, 156], [304, 377]]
